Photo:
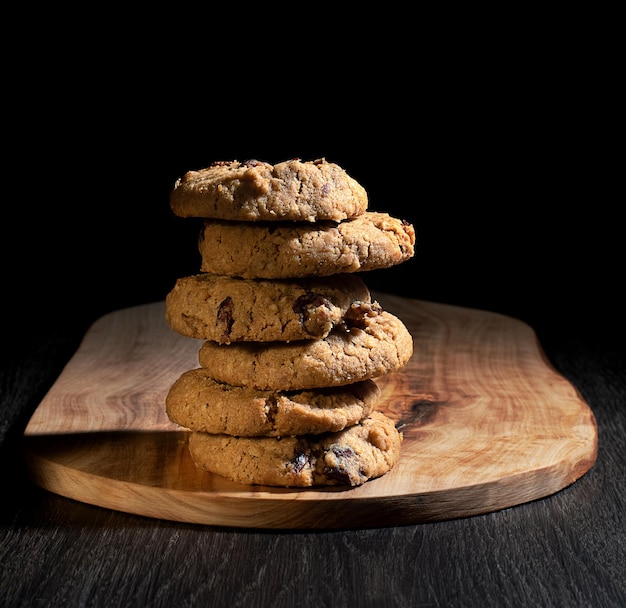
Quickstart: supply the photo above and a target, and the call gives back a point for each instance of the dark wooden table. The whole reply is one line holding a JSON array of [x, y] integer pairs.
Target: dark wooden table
[[568, 549]]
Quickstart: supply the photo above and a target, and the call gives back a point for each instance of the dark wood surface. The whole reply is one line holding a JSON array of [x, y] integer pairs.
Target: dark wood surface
[[568, 549]]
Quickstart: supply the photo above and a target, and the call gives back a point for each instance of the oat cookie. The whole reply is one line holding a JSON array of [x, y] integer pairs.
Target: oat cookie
[[254, 190], [227, 309], [282, 250], [197, 402], [371, 344], [346, 458]]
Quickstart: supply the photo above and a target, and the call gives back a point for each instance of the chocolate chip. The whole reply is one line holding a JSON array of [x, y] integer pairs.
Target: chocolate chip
[[340, 475], [341, 471], [342, 452], [313, 309], [307, 301], [298, 462], [225, 318]]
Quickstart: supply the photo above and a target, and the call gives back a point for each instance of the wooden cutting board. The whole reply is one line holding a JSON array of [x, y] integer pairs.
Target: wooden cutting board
[[487, 424]]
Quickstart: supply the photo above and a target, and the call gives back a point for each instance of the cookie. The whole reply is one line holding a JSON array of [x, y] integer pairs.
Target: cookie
[[197, 402], [283, 250], [371, 343], [346, 458], [226, 309], [254, 190]]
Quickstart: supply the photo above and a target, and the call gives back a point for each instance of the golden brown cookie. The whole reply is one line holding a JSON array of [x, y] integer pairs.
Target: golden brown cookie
[[282, 250], [197, 402], [227, 309], [376, 344], [254, 190], [346, 458]]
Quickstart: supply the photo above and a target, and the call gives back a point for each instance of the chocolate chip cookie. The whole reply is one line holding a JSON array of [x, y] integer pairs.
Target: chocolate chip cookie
[[197, 402], [346, 458], [283, 250], [371, 343], [254, 190], [227, 309]]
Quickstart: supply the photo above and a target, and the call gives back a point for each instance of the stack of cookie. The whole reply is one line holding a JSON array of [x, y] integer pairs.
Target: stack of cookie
[[285, 392]]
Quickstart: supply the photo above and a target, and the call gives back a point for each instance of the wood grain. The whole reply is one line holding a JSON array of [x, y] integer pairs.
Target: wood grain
[[487, 424]]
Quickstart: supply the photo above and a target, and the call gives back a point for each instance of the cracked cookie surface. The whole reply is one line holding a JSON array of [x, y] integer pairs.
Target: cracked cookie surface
[[199, 403], [372, 344], [228, 309], [346, 458], [254, 190], [282, 250]]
